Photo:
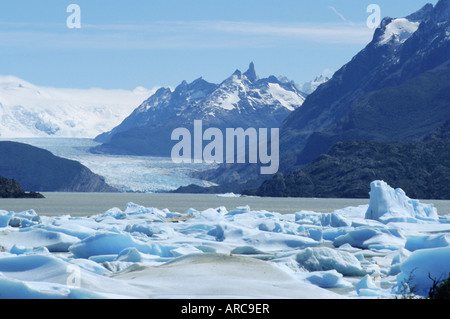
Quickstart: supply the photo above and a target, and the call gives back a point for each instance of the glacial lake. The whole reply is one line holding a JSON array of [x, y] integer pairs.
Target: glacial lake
[[146, 180], [87, 204]]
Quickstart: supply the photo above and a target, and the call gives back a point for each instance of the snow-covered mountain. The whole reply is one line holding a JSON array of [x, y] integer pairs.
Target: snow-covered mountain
[[310, 86], [397, 89], [241, 100], [28, 110]]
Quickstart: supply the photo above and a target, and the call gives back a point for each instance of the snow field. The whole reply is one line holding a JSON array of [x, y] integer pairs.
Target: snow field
[[370, 251], [28, 110]]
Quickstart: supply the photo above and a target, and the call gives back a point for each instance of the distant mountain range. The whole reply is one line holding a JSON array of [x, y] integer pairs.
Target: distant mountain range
[[383, 115], [241, 100], [396, 90], [38, 170], [29, 110], [311, 86]]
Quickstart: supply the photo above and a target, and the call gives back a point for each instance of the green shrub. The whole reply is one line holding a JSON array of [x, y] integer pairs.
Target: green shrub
[[440, 288]]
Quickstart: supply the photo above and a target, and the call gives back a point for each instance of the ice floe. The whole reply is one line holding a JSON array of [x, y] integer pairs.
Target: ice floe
[[370, 251], [392, 205]]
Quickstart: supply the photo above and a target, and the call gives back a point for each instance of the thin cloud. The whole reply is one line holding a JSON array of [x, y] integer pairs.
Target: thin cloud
[[184, 34], [329, 33]]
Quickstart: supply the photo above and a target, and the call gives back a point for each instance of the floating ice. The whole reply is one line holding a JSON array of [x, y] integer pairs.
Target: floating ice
[[419, 270], [228, 195], [5, 217], [328, 279], [427, 241], [23, 219], [33, 237], [145, 252], [365, 283], [321, 219], [372, 238], [392, 205], [324, 258], [110, 243]]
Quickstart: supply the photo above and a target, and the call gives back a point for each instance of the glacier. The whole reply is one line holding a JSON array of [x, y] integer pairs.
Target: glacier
[[29, 110], [127, 173], [151, 253]]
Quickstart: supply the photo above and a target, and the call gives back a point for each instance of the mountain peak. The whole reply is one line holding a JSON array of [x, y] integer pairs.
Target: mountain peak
[[421, 14], [394, 31], [442, 11], [237, 72], [251, 73]]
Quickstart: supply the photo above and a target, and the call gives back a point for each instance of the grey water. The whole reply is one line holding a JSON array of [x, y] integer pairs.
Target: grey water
[[88, 204]]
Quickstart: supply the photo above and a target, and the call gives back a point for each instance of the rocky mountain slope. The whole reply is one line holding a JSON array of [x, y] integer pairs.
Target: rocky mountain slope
[[10, 188], [397, 89], [420, 168], [242, 100], [39, 170]]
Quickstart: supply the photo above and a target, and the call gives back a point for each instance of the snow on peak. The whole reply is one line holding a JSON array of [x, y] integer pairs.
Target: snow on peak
[[289, 99], [398, 30], [227, 100], [240, 87], [28, 110], [311, 86]]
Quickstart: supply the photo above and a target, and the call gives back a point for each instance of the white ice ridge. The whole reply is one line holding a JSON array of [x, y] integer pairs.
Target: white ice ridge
[[369, 251], [388, 205]]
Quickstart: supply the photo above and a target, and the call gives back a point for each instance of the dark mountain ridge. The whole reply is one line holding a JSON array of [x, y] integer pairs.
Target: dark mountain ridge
[[10, 188], [397, 89], [421, 169], [392, 85], [39, 170]]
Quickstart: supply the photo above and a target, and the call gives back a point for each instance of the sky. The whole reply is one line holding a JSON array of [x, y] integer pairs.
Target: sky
[[127, 44]]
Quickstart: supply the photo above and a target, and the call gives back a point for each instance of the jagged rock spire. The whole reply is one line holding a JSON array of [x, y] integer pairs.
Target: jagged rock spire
[[250, 73]]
